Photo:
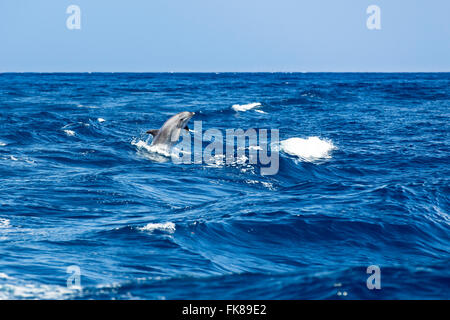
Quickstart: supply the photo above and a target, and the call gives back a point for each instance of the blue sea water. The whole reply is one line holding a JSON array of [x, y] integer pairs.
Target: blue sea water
[[76, 188]]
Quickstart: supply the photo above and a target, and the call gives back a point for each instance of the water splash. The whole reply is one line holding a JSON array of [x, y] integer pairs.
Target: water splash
[[310, 149], [245, 107], [166, 227]]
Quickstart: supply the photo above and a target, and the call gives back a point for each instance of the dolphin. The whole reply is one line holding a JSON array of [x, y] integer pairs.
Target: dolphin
[[170, 132]]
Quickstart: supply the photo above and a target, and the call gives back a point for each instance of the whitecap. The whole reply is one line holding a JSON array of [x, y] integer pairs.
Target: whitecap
[[267, 185], [160, 149], [167, 227], [70, 133], [4, 223], [310, 149], [245, 107], [260, 111], [215, 161], [2, 144], [13, 288], [32, 291], [89, 107], [4, 276], [241, 160], [101, 120]]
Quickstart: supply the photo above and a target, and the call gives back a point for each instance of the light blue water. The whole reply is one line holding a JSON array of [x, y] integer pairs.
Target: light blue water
[[77, 190]]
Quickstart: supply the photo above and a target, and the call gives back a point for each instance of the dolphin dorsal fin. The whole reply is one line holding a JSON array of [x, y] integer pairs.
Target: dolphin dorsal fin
[[153, 132]]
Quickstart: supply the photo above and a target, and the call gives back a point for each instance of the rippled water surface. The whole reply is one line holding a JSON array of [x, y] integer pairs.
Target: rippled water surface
[[363, 180]]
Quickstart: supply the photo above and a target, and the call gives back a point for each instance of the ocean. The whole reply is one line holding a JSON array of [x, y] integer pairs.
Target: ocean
[[87, 212]]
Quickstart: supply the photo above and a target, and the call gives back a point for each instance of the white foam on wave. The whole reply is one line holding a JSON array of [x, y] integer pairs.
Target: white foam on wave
[[34, 291], [219, 160], [159, 149], [158, 153], [4, 223], [13, 158], [310, 149], [215, 161], [86, 106], [267, 185], [70, 133], [13, 288], [101, 120], [245, 107], [166, 227], [2, 144], [4, 276]]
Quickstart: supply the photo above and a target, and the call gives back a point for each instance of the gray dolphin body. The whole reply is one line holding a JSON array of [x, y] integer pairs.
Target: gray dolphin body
[[170, 132]]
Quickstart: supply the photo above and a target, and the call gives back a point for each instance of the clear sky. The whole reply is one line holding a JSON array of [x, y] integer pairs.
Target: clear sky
[[224, 35]]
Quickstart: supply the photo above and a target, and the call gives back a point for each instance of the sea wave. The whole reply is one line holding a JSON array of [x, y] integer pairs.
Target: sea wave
[[158, 153], [245, 107], [4, 223], [166, 227], [225, 230], [10, 291], [70, 133], [12, 288], [310, 149]]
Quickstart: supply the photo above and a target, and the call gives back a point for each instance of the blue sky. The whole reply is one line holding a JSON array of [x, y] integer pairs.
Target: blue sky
[[219, 35]]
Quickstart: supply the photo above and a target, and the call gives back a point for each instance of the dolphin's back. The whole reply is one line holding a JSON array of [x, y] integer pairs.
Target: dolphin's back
[[169, 130], [163, 137]]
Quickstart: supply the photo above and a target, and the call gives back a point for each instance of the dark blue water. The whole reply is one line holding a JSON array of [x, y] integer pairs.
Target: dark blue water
[[77, 190]]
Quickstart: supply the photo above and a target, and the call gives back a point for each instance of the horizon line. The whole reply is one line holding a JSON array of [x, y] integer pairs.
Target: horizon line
[[218, 72]]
